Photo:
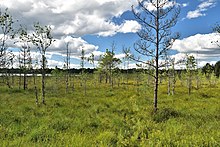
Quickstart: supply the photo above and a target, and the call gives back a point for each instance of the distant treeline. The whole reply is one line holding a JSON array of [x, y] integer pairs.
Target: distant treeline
[[77, 71]]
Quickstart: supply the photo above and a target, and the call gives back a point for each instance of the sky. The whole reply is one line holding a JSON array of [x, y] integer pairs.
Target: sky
[[95, 24]]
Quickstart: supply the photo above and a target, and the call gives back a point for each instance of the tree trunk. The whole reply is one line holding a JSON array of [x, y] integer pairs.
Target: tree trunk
[[43, 78], [189, 85], [67, 82], [36, 95], [169, 83], [174, 83], [85, 86], [25, 80], [156, 60], [156, 90]]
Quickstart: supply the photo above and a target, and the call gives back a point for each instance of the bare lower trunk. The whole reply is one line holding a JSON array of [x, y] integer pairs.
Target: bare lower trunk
[[43, 78], [169, 83], [19, 81], [173, 84], [36, 95], [73, 83], [25, 82], [67, 83], [43, 88], [155, 92], [189, 85], [197, 82], [85, 87]]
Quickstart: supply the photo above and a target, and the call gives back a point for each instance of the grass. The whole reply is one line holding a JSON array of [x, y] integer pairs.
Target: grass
[[121, 116]]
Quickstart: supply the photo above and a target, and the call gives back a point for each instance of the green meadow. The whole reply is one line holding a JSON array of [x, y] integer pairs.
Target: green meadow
[[121, 115]]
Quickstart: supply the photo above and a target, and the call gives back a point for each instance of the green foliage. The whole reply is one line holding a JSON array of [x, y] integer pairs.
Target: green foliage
[[217, 68], [190, 62], [109, 117], [7, 32], [108, 61], [208, 69]]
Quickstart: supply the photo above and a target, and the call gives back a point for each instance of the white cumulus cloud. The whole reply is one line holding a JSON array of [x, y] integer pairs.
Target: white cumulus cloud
[[202, 46], [201, 9]]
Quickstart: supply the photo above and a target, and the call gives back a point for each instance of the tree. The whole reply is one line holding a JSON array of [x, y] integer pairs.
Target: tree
[[25, 55], [126, 61], [42, 39], [207, 70], [171, 73], [217, 68], [91, 60], [217, 30], [83, 74], [107, 63], [190, 68], [7, 32], [155, 35], [67, 63]]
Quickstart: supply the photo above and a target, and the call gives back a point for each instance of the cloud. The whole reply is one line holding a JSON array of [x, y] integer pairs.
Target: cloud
[[151, 5], [194, 14], [72, 17], [185, 4], [60, 64], [200, 46], [130, 26], [201, 9], [75, 46]]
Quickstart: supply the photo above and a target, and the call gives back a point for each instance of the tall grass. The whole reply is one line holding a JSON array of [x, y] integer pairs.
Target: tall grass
[[121, 116]]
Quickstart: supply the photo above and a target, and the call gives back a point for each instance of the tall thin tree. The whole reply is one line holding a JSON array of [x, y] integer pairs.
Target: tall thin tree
[[7, 32], [42, 38], [156, 17], [25, 54]]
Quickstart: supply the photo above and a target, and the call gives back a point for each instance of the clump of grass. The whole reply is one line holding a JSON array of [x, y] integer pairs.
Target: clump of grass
[[164, 114], [60, 125], [41, 135], [106, 138]]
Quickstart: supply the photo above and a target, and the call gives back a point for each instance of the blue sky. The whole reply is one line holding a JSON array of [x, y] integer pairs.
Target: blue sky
[[96, 24]]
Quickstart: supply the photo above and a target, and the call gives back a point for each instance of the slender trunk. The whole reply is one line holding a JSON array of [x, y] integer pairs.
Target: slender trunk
[[112, 81], [137, 78], [19, 80], [100, 78], [189, 84], [72, 79], [85, 87], [43, 77], [174, 83], [25, 79], [12, 78], [106, 78], [156, 90], [169, 83], [156, 60], [34, 75], [197, 82], [36, 95], [67, 82]]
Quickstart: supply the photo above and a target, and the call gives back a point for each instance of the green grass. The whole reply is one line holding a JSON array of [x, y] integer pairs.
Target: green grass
[[121, 116]]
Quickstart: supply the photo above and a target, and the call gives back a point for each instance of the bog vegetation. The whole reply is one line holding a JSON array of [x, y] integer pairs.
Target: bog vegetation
[[121, 115], [152, 105]]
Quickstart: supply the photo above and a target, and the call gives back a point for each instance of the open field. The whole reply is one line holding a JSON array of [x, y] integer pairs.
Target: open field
[[106, 116]]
